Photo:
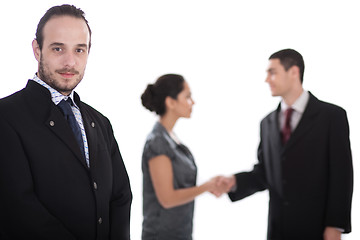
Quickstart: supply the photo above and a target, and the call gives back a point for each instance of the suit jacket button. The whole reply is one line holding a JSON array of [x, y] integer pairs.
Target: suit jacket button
[[52, 123], [100, 221], [93, 124], [95, 186]]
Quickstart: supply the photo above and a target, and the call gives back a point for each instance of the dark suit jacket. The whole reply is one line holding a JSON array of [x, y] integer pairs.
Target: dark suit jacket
[[46, 189], [310, 179]]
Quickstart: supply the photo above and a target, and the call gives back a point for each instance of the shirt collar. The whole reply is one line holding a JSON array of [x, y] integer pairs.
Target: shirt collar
[[300, 103], [56, 97]]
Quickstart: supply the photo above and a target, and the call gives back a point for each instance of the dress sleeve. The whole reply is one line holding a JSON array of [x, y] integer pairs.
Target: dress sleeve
[[156, 146]]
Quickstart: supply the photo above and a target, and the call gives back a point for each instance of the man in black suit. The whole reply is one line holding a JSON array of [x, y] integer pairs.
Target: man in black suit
[[304, 159], [61, 172]]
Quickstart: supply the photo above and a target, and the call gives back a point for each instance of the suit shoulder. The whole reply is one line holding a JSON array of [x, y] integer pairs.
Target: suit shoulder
[[269, 117], [11, 101], [89, 108], [331, 108], [93, 113]]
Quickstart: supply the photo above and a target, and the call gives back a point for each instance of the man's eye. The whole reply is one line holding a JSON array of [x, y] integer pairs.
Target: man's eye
[[57, 49], [80, 50]]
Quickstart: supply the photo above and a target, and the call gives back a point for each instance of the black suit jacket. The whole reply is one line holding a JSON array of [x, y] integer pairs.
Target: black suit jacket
[[46, 189], [310, 179]]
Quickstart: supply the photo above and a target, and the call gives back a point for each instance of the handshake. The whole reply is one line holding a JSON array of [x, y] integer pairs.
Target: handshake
[[220, 184]]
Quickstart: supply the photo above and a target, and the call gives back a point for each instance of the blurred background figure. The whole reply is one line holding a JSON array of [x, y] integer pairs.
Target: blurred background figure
[[169, 170], [304, 158]]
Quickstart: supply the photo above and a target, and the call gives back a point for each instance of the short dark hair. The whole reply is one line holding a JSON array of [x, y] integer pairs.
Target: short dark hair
[[168, 85], [63, 10], [289, 58]]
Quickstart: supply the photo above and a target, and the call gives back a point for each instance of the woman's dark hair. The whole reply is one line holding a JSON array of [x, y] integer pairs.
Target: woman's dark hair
[[63, 10], [169, 85]]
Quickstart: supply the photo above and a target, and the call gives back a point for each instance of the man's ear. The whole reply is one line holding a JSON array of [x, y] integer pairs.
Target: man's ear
[[295, 72], [36, 50]]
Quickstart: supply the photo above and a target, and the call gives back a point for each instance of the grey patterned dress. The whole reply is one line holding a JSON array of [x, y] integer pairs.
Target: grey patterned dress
[[174, 223]]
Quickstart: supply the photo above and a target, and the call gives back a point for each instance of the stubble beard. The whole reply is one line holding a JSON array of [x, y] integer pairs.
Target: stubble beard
[[48, 77]]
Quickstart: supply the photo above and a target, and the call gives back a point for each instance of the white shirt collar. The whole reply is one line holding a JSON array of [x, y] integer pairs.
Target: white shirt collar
[[300, 103], [56, 97]]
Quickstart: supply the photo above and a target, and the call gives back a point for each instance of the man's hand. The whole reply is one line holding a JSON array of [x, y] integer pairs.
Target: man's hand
[[332, 233], [223, 185]]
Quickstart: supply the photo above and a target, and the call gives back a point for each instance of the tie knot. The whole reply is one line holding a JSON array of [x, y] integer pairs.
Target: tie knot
[[69, 101], [65, 106], [286, 131], [288, 112]]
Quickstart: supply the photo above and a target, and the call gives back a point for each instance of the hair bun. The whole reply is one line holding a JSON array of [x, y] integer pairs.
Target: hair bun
[[155, 94], [147, 97]]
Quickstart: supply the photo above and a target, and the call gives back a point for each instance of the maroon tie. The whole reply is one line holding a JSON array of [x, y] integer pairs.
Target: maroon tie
[[286, 131]]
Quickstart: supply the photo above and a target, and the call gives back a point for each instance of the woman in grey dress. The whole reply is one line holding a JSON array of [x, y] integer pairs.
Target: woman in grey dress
[[169, 170]]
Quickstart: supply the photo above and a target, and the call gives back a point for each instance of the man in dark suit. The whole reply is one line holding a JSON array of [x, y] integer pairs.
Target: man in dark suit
[[304, 159], [61, 172]]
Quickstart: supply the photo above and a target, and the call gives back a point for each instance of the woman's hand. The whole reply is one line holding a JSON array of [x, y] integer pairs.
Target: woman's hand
[[220, 185]]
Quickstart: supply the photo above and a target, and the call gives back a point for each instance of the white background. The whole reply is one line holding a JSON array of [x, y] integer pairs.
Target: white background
[[221, 48]]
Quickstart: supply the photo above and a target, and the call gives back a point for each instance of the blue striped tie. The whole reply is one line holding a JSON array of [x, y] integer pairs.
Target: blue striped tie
[[65, 106]]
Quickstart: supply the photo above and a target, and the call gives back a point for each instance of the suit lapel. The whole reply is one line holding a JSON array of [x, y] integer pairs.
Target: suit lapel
[[58, 125], [90, 126], [274, 129], [44, 110], [306, 121], [91, 134], [274, 167]]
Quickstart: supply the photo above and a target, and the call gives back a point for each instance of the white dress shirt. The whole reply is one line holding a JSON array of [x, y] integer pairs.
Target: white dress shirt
[[299, 108]]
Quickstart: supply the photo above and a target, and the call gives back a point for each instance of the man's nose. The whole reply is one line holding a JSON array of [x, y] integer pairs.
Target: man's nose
[[69, 59], [267, 79]]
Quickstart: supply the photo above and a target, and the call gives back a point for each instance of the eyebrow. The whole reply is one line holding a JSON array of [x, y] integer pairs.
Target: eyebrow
[[62, 44], [56, 44], [82, 45]]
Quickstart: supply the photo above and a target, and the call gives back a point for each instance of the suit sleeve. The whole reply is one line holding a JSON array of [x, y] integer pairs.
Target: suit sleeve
[[122, 197], [22, 214], [248, 183], [340, 184]]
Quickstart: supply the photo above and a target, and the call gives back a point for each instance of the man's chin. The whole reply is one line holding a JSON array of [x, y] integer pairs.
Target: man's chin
[[65, 90], [66, 87]]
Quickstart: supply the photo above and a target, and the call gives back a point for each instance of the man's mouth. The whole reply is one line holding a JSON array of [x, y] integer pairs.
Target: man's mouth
[[66, 73]]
